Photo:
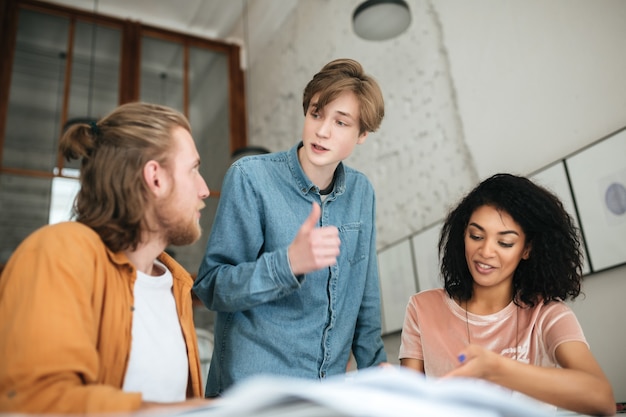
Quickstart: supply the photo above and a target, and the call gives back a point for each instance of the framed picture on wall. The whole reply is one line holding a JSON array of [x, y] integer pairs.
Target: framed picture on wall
[[555, 179], [397, 284], [598, 180]]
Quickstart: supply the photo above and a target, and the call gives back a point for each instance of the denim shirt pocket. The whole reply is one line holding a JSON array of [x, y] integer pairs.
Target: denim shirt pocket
[[352, 245]]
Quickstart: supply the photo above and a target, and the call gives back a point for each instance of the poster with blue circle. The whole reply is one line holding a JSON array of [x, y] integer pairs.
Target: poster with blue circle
[[598, 180]]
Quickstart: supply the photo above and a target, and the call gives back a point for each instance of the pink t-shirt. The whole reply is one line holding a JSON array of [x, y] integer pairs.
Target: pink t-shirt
[[435, 330]]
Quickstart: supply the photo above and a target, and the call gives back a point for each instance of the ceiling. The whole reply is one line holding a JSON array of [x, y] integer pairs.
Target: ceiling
[[249, 23]]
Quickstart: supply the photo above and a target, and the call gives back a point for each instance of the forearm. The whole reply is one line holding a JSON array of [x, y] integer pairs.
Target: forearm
[[231, 287], [67, 396], [415, 364], [183, 405], [571, 389], [368, 346]]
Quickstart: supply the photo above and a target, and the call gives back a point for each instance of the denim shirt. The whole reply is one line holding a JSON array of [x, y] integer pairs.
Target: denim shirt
[[269, 320]]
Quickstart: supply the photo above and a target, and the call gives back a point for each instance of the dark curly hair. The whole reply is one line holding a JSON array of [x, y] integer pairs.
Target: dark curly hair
[[553, 270]]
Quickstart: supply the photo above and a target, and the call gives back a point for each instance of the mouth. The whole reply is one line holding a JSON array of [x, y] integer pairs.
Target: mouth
[[481, 267], [318, 147]]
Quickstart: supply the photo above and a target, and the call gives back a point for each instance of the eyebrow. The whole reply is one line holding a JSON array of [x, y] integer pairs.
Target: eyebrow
[[504, 232], [343, 113]]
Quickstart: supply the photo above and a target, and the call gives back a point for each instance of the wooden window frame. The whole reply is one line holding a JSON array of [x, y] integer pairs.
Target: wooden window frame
[[131, 35]]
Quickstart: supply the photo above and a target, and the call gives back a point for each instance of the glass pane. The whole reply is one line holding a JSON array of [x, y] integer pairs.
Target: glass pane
[[62, 196], [208, 112], [94, 88], [36, 92], [162, 72], [24, 206]]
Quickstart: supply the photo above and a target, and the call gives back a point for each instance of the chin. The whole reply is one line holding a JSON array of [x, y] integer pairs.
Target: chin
[[185, 235]]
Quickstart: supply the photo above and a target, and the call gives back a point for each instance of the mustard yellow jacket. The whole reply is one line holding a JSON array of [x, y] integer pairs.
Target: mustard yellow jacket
[[66, 307]]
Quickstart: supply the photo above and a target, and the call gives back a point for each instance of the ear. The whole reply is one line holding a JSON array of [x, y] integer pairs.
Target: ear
[[526, 253], [362, 137], [153, 175]]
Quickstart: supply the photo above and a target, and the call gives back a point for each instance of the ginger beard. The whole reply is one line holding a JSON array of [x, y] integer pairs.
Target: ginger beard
[[179, 225]]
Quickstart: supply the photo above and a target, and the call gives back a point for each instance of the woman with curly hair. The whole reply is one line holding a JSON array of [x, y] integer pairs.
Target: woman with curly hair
[[510, 256]]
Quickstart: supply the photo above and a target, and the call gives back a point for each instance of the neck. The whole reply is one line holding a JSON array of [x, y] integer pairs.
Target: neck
[[489, 300], [145, 254], [320, 176], [485, 307]]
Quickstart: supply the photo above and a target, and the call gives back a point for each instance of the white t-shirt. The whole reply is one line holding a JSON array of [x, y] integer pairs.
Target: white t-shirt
[[158, 366], [435, 330]]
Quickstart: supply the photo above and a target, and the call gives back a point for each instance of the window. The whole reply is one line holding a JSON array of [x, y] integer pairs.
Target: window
[[63, 65]]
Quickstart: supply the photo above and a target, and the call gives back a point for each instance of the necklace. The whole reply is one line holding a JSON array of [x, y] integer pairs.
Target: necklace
[[469, 340]]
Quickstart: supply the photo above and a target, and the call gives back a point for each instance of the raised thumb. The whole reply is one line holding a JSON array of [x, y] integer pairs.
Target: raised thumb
[[311, 221]]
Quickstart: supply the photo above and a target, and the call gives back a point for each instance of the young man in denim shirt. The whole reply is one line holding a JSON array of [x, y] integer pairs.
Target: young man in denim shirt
[[291, 265]]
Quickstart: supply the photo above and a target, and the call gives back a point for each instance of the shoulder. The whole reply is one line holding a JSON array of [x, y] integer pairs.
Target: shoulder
[[435, 296], [355, 174], [256, 167], [357, 180], [71, 241], [70, 247], [428, 304], [546, 315], [256, 173], [252, 162], [558, 310], [62, 235], [552, 308], [557, 323]]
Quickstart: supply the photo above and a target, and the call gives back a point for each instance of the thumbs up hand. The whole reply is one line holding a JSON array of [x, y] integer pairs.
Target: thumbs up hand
[[313, 247]]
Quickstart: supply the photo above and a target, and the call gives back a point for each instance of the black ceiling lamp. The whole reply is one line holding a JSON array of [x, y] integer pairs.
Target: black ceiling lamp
[[379, 20]]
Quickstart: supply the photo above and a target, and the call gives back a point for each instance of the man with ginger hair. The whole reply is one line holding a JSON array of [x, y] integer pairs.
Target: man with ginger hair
[[94, 316]]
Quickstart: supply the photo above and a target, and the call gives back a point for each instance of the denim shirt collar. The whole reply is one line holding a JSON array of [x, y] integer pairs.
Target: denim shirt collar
[[304, 183]]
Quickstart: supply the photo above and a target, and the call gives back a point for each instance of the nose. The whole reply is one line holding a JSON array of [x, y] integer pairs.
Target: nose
[[323, 130], [203, 191], [486, 249]]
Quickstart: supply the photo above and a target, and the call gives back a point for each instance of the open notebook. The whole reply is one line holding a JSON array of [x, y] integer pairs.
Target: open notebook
[[375, 392]]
